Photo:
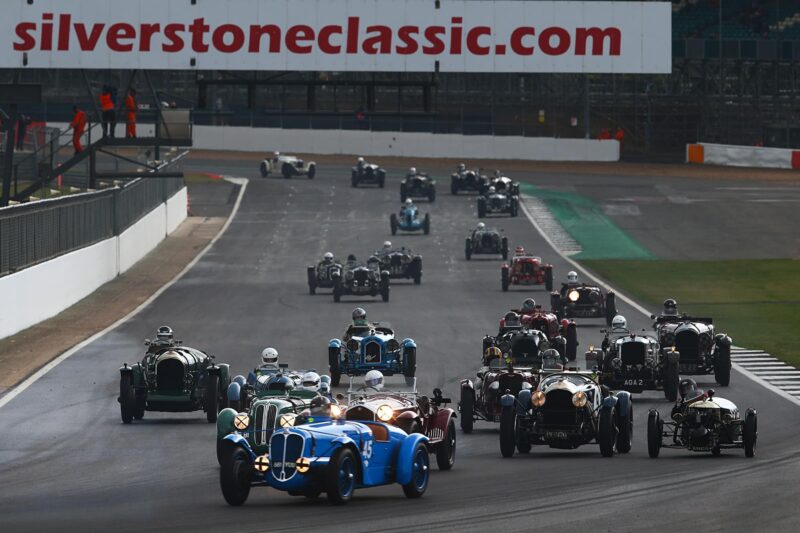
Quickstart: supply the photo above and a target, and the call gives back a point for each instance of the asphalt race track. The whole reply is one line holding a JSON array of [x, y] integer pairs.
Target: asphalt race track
[[68, 463]]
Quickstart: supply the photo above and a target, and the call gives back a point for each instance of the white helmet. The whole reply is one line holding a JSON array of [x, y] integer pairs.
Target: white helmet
[[270, 356], [276, 154], [359, 314], [328, 256], [572, 277], [310, 381], [492, 189], [412, 171], [481, 225], [462, 167], [374, 379], [619, 322], [387, 245], [360, 159], [409, 201]]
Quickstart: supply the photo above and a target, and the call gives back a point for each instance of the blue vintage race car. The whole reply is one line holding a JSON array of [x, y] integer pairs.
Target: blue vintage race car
[[334, 457], [410, 220], [371, 347]]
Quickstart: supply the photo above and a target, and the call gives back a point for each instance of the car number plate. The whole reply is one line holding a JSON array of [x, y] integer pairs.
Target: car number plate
[[584, 312], [634, 383], [556, 434]]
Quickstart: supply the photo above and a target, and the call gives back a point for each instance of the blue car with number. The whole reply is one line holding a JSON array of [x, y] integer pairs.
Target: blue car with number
[[335, 457], [410, 219], [371, 347]]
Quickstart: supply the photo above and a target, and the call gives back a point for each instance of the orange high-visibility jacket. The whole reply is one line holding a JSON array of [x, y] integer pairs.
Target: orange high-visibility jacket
[[105, 102]]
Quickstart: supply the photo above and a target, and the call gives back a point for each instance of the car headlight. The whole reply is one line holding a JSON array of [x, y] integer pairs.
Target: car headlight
[[336, 411], [261, 463], [384, 413], [287, 420], [538, 398], [303, 465], [573, 296], [579, 399], [241, 421], [544, 345]]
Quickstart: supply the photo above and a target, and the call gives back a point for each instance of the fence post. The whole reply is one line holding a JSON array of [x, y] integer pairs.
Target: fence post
[[115, 193]]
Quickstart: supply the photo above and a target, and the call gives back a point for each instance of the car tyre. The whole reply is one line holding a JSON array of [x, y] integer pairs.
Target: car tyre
[[481, 208], [671, 381], [654, 430], [750, 432], [140, 406], [508, 432], [235, 475], [504, 249], [548, 279], [312, 280], [410, 362], [722, 365], [572, 341], [340, 479], [333, 364], [453, 187], [393, 223], [467, 407], [286, 170], [420, 473], [127, 399], [468, 249], [426, 224], [446, 450], [381, 179], [611, 307], [432, 195], [354, 179], [403, 194], [607, 431], [625, 431], [264, 170], [504, 279], [212, 397], [312, 171]]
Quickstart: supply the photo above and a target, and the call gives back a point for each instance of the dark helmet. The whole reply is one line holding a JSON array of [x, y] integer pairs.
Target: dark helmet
[[164, 333], [279, 382], [511, 319], [320, 401], [686, 386], [670, 307], [359, 314], [351, 258]]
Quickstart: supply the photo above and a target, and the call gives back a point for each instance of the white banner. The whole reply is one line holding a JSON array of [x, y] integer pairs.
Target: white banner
[[338, 35]]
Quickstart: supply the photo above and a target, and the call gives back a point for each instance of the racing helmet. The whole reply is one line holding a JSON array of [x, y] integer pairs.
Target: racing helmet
[[279, 382], [409, 202], [492, 189], [686, 386], [359, 314], [319, 403], [387, 245], [492, 352], [412, 171], [520, 250], [619, 322], [572, 277], [360, 160], [310, 381], [328, 257], [276, 154], [670, 307], [164, 333], [351, 259], [269, 356], [374, 379], [529, 304], [462, 167], [481, 225], [511, 319]]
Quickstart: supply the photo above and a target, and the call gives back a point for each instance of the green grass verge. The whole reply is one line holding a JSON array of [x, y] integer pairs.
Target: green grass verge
[[756, 302]]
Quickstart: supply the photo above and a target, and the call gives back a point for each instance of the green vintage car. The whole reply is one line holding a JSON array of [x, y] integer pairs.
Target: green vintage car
[[173, 378]]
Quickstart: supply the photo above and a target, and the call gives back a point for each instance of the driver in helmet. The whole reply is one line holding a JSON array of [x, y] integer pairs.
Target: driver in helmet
[[408, 204], [619, 326], [387, 247], [310, 381], [687, 393], [492, 190], [411, 172], [359, 327], [351, 261], [164, 338], [462, 168], [269, 363], [572, 281], [491, 353], [528, 306], [279, 382], [327, 259], [373, 379], [670, 308], [510, 321], [276, 155], [360, 164], [519, 251], [479, 228]]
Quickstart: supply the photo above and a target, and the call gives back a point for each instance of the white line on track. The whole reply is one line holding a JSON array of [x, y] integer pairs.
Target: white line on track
[[772, 386], [33, 378]]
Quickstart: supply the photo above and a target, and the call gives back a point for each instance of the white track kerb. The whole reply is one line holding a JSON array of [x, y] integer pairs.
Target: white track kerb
[[13, 393], [641, 309]]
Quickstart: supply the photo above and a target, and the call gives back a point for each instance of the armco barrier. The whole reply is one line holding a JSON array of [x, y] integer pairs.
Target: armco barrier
[[405, 144], [742, 156]]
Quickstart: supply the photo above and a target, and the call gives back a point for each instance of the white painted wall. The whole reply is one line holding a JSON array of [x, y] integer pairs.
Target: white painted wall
[[42, 291], [407, 144], [746, 156]]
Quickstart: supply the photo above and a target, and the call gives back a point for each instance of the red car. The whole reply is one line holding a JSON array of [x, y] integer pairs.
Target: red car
[[550, 325], [526, 270]]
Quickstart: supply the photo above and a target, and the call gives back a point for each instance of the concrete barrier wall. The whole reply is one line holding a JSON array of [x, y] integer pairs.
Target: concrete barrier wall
[[407, 144], [742, 156], [39, 292]]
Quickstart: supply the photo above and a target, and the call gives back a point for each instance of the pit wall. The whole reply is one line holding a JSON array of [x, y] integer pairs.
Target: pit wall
[[39, 292], [742, 156], [403, 144]]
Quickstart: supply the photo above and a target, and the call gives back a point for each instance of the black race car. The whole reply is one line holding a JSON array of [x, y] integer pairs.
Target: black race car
[[401, 264], [417, 185], [361, 279], [495, 202], [467, 180], [321, 275], [501, 184], [701, 349], [580, 300], [367, 174], [485, 240]]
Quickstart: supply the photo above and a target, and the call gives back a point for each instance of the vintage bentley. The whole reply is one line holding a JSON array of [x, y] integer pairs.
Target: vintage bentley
[[172, 378], [418, 185], [371, 347], [361, 280], [494, 202], [322, 274], [464, 179], [702, 350], [367, 174], [581, 300], [401, 263], [486, 241]]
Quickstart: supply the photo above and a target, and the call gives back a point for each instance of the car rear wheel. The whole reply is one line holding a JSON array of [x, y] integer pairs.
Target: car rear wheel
[[264, 170], [393, 223], [504, 248], [671, 381], [468, 249], [212, 397], [312, 171], [235, 475], [607, 431], [481, 208], [126, 398], [625, 431], [432, 195], [548, 279], [611, 307], [410, 362], [312, 280], [504, 281], [750, 432], [446, 450], [654, 430], [426, 224], [420, 473], [340, 479], [381, 179], [508, 419], [467, 406], [572, 341], [141, 404], [453, 187], [354, 179], [722, 366], [333, 364]]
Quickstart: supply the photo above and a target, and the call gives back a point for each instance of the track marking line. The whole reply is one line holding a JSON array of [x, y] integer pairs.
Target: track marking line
[[33, 378], [772, 386]]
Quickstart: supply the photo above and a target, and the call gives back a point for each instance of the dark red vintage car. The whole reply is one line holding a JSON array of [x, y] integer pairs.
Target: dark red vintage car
[[411, 412], [558, 331], [526, 270]]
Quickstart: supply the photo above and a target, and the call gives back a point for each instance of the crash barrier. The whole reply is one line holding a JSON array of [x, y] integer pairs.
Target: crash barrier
[[742, 156], [405, 144], [56, 252]]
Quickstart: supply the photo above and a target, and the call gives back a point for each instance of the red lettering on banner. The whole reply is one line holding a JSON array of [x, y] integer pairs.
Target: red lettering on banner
[[383, 39], [455, 36], [436, 45], [47, 32], [325, 45], [117, 32], [352, 35], [256, 32], [297, 34], [473, 45], [198, 29], [218, 38], [517, 45], [26, 41], [88, 42], [172, 34], [148, 30], [562, 45], [64, 27], [598, 37], [410, 45]]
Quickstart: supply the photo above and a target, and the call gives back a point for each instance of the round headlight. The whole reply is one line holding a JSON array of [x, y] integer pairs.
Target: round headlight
[[303, 465], [241, 421], [579, 399], [538, 398], [336, 411], [573, 296], [261, 463], [543, 345], [287, 420], [384, 413]]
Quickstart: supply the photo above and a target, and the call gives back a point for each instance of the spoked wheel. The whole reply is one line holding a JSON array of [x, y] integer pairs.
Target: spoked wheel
[[420, 472], [446, 450]]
